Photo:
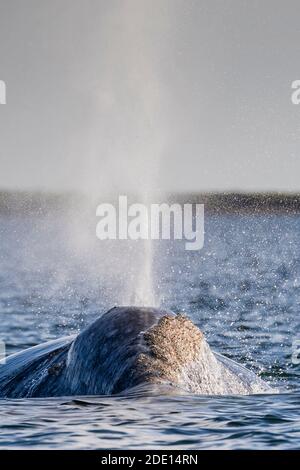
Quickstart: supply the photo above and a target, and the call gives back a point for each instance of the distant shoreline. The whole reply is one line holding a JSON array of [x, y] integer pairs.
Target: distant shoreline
[[39, 203]]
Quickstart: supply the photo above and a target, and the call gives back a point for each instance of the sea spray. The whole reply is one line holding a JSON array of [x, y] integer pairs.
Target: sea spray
[[144, 291], [127, 134]]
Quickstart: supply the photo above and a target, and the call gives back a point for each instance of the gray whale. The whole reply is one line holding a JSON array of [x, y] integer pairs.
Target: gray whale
[[125, 348]]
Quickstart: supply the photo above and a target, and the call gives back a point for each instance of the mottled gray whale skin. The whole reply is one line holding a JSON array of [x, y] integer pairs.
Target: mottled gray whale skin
[[125, 348]]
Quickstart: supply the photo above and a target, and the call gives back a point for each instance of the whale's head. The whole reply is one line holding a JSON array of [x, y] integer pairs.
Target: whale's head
[[128, 346]]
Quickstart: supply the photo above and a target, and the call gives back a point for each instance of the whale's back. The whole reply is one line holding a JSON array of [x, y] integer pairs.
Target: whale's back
[[114, 345], [33, 372], [125, 348]]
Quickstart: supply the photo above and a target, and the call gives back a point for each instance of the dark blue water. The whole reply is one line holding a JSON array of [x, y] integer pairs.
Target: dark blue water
[[242, 289]]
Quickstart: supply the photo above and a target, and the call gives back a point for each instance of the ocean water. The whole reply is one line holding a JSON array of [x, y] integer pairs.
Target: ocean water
[[242, 289]]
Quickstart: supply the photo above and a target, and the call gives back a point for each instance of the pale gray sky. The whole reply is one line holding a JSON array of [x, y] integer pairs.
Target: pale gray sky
[[176, 94]]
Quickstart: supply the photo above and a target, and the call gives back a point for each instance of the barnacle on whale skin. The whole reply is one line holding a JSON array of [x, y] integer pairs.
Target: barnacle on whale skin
[[173, 343]]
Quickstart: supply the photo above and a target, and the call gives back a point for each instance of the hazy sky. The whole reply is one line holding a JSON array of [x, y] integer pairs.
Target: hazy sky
[[176, 94]]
